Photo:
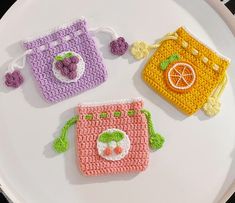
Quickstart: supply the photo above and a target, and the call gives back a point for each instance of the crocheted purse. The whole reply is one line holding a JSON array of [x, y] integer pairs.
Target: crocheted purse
[[185, 71], [111, 138], [66, 62]]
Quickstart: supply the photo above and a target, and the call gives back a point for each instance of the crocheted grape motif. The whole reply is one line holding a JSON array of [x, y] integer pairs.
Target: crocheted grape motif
[[67, 65], [119, 46], [14, 79]]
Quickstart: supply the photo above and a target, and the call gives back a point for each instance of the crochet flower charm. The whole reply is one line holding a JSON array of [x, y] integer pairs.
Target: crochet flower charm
[[212, 106], [119, 46], [140, 50], [14, 79]]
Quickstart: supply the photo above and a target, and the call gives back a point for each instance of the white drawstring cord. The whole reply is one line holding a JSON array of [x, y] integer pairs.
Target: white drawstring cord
[[14, 63], [106, 30]]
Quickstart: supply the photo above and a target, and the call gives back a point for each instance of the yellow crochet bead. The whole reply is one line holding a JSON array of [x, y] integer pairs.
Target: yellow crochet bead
[[207, 79], [140, 50], [212, 106]]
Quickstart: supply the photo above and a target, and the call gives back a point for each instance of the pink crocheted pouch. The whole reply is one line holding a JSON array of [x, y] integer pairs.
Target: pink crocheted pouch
[[112, 138]]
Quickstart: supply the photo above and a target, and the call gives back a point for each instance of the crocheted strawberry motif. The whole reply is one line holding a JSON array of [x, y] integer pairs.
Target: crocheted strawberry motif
[[14, 79], [119, 46]]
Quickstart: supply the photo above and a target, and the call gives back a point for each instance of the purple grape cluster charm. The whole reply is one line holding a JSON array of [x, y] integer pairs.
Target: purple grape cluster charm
[[119, 46], [14, 79], [67, 65]]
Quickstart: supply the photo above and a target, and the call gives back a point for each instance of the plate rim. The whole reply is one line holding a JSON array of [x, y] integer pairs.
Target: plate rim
[[11, 194]]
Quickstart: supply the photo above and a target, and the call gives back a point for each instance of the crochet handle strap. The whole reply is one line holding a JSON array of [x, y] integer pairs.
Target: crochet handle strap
[[61, 143], [155, 139]]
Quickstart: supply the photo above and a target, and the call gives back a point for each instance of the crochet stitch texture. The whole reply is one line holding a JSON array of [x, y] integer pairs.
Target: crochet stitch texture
[[75, 38], [88, 130], [209, 66]]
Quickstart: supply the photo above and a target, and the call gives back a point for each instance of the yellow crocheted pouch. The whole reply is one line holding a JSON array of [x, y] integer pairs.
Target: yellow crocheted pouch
[[185, 71]]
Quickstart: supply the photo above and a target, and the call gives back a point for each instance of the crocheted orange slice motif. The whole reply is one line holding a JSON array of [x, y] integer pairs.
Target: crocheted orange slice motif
[[180, 76]]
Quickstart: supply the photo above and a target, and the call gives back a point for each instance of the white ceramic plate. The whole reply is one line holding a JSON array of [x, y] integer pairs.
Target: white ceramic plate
[[228, 17], [197, 163]]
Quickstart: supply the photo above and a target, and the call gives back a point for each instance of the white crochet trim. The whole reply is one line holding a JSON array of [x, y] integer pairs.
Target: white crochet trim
[[120, 101], [80, 69], [124, 144]]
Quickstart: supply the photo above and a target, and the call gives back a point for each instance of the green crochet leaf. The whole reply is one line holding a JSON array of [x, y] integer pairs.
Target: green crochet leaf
[[156, 141], [107, 137], [68, 55], [117, 136], [59, 58], [164, 64], [60, 145]]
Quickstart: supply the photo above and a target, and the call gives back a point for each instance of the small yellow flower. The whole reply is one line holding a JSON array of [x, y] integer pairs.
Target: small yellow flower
[[212, 106], [140, 50]]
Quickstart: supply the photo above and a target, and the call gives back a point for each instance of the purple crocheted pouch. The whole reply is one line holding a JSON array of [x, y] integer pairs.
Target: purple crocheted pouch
[[66, 62]]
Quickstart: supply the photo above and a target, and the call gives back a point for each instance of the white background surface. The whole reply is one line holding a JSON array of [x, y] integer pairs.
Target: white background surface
[[197, 163]]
